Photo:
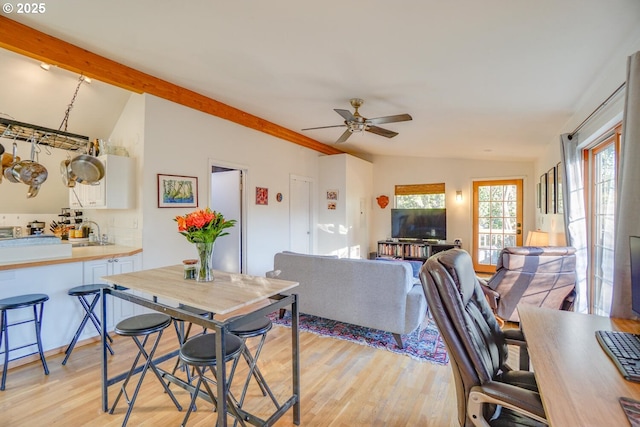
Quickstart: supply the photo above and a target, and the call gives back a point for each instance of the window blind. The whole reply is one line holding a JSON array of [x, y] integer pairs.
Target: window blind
[[411, 189]]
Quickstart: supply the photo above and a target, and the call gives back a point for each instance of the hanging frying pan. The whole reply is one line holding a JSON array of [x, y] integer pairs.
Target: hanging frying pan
[[86, 169], [67, 180]]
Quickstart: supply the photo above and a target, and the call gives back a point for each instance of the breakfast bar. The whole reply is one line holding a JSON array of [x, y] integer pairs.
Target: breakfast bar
[[227, 293]]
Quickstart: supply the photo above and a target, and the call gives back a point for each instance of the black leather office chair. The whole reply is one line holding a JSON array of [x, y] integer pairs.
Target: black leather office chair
[[489, 392]]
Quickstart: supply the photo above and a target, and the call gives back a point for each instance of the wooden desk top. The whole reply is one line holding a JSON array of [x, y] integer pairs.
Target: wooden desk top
[[579, 384], [228, 291]]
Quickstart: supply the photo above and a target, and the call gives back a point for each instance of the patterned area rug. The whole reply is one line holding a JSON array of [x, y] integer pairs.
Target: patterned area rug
[[424, 344]]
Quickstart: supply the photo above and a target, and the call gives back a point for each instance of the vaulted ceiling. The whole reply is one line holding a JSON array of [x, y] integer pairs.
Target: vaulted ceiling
[[482, 79]]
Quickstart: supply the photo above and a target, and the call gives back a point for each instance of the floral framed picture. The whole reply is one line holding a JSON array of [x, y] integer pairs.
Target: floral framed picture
[[177, 191], [262, 196]]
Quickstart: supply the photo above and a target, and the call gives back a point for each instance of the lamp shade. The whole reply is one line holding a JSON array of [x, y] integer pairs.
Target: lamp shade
[[537, 238]]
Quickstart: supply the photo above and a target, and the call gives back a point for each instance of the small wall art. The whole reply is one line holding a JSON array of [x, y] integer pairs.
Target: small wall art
[[559, 196], [177, 191], [332, 194], [543, 193], [331, 206], [551, 191], [262, 196]]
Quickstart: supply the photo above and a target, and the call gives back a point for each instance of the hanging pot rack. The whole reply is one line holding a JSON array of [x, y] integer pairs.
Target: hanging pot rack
[[44, 136]]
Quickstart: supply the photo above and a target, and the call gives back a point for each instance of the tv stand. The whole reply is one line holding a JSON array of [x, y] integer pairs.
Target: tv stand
[[416, 249]]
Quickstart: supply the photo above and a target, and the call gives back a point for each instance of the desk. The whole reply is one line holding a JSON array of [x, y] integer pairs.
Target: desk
[[227, 293], [578, 383]]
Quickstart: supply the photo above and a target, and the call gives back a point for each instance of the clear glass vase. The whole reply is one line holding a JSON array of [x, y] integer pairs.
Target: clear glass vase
[[203, 270]]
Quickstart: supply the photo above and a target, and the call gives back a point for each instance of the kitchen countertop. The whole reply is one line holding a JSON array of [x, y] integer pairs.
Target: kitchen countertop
[[80, 254]]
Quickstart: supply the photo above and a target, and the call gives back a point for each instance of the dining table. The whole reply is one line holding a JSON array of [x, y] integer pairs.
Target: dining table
[[165, 290]]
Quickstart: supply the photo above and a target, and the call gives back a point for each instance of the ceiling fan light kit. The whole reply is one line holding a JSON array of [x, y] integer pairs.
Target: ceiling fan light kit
[[354, 122]]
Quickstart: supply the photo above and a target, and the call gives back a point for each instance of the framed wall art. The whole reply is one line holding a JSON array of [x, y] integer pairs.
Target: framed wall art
[[559, 196], [543, 193], [262, 196], [551, 191], [177, 191]]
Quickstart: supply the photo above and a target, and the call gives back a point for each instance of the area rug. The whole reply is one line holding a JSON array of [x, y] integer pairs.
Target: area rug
[[424, 344]]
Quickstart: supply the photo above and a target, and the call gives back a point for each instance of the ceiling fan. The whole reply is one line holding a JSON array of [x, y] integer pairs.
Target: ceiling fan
[[356, 123]]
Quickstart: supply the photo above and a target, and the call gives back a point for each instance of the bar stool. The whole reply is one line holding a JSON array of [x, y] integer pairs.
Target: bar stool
[[135, 327], [255, 328], [82, 292], [22, 301], [183, 335], [200, 352]]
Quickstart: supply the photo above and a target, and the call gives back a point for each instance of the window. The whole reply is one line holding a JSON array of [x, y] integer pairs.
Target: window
[[601, 162], [420, 196]]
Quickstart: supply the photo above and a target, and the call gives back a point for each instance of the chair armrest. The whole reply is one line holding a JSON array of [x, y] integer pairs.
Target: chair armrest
[[272, 274], [516, 337], [491, 295], [525, 402]]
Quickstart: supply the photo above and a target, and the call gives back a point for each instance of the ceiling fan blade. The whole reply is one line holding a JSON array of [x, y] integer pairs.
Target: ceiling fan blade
[[389, 119], [382, 132], [325, 127], [346, 114], [344, 136]]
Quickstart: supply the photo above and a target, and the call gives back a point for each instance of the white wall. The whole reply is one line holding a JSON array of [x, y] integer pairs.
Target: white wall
[[457, 174], [345, 230], [182, 141]]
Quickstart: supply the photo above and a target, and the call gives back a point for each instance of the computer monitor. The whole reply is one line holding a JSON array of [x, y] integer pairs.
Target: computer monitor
[[634, 250]]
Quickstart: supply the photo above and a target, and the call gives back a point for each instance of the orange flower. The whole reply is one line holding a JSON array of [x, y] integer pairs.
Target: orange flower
[[203, 226]]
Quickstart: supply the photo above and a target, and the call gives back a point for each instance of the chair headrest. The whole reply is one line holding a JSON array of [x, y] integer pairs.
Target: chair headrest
[[460, 266]]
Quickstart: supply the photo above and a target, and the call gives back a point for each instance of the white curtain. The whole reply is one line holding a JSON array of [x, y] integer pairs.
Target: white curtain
[[575, 222], [628, 184]]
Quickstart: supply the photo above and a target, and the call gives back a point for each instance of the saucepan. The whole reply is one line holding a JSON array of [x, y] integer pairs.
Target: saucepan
[[30, 172], [64, 172], [8, 172]]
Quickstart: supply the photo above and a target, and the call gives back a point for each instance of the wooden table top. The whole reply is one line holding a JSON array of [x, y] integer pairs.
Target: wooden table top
[[228, 291], [578, 382]]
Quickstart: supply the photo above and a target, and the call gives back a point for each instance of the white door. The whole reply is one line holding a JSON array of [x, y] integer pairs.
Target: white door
[[226, 198], [300, 225]]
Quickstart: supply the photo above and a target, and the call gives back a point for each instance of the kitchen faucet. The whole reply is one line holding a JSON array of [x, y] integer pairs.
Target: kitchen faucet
[[99, 236]]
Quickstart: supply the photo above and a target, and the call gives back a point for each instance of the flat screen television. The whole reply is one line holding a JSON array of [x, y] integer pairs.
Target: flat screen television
[[634, 252], [419, 224]]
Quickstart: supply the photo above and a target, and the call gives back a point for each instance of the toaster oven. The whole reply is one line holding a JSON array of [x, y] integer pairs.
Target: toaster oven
[[10, 232]]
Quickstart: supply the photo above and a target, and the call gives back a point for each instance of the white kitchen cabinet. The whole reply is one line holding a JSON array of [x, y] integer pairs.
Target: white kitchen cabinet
[[115, 191], [117, 309]]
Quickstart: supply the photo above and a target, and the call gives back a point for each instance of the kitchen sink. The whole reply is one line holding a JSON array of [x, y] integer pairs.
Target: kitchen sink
[[85, 244]]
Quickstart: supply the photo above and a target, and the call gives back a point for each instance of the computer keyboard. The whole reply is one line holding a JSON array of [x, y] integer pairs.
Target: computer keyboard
[[624, 349]]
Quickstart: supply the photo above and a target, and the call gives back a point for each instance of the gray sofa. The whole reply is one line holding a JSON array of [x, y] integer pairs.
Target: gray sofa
[[375, 294]]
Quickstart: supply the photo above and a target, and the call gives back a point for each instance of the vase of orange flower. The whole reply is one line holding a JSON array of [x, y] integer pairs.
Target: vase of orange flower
[[202, 227]]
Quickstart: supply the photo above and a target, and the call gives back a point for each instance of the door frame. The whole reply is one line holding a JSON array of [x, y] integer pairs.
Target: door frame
[[520, 183], [243, 199]]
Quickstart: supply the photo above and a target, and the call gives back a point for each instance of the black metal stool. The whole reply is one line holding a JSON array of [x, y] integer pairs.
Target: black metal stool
[[200, 352], [183, 335], [134, 327], [82, 292], [255, 328], [22, 301]]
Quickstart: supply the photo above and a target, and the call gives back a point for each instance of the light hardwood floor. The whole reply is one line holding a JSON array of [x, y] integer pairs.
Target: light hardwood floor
[[343, 384]]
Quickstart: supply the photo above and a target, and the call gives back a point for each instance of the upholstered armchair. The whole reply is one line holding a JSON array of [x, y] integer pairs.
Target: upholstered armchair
[[542, 276], [489, 392]]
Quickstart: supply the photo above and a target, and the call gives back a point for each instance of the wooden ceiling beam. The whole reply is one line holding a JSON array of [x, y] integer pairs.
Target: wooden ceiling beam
[[35, 44]]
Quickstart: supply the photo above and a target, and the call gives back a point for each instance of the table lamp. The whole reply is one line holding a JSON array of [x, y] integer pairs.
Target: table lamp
[[537, 238]]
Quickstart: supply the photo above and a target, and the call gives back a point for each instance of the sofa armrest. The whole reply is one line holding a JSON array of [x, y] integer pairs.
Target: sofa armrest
[[491, 295]]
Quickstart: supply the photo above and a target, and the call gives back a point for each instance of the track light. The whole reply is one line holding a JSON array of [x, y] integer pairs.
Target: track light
[[45, 66]]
